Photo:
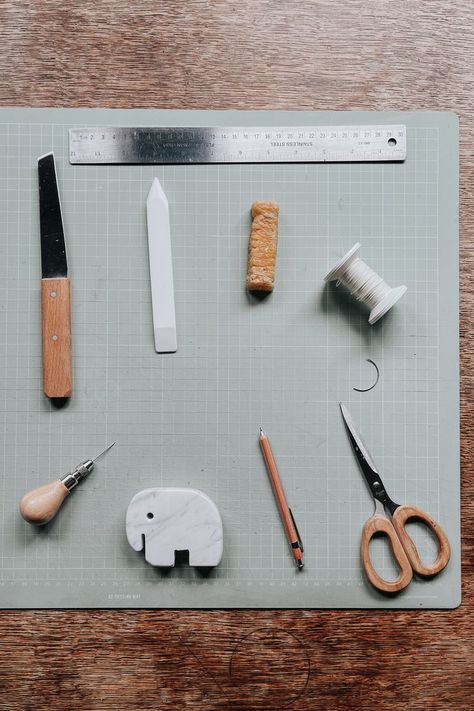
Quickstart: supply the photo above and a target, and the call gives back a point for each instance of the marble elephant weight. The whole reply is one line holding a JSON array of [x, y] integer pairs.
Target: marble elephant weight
[[167, 520]]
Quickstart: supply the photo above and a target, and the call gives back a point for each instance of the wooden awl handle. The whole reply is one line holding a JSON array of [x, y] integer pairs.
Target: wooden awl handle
[[41, 505]]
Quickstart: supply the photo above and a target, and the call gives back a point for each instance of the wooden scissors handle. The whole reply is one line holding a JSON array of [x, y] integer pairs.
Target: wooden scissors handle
[[399, 518], [381, 524]]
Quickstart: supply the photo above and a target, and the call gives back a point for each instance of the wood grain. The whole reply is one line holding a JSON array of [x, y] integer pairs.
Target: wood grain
[[381, 525], [407, 513], [271, 54], [56, 337]]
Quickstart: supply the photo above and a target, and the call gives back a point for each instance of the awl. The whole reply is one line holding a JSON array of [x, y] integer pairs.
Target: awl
[[41, 505], [55, 286]]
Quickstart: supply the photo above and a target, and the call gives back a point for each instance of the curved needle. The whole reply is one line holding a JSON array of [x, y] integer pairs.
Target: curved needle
[[366, 390]]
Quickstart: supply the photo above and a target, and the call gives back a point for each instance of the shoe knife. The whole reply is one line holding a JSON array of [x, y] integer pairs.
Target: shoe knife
[[55, 286]]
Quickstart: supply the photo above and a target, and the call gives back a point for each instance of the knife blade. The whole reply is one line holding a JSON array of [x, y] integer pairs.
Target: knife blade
[[55, 286]]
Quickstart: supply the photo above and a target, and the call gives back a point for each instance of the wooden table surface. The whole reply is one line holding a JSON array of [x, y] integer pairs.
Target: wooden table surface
[[265, 54]]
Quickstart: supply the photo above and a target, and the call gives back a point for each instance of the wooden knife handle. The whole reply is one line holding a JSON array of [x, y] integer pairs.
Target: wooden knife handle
[[56, 328]]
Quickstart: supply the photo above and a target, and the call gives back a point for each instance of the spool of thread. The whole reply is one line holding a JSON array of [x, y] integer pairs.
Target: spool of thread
[[365, 285]]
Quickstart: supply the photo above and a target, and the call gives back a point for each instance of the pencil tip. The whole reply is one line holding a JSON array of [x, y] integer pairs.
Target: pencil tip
[[300, 564], [262, 433]]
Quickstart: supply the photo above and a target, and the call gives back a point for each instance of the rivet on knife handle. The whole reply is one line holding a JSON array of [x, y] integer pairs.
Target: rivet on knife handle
[[55, 286]]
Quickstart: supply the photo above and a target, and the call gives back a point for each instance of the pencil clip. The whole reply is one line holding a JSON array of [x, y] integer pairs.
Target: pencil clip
[[296, 529]]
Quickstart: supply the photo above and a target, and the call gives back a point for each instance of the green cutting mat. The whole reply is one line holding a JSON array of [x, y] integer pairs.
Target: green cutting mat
[[192, 419]]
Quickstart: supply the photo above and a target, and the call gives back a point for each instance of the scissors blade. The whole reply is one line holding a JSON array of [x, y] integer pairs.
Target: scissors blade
[[360, 448], [366, 462]]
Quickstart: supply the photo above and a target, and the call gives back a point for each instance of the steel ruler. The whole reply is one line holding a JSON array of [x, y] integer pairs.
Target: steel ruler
[[188, 145]]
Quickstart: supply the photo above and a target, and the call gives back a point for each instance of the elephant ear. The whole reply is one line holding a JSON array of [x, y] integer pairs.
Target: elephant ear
[[135, 539], [135, 519]]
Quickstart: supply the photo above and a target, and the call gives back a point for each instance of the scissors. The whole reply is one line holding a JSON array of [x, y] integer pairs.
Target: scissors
[[403, 549]]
